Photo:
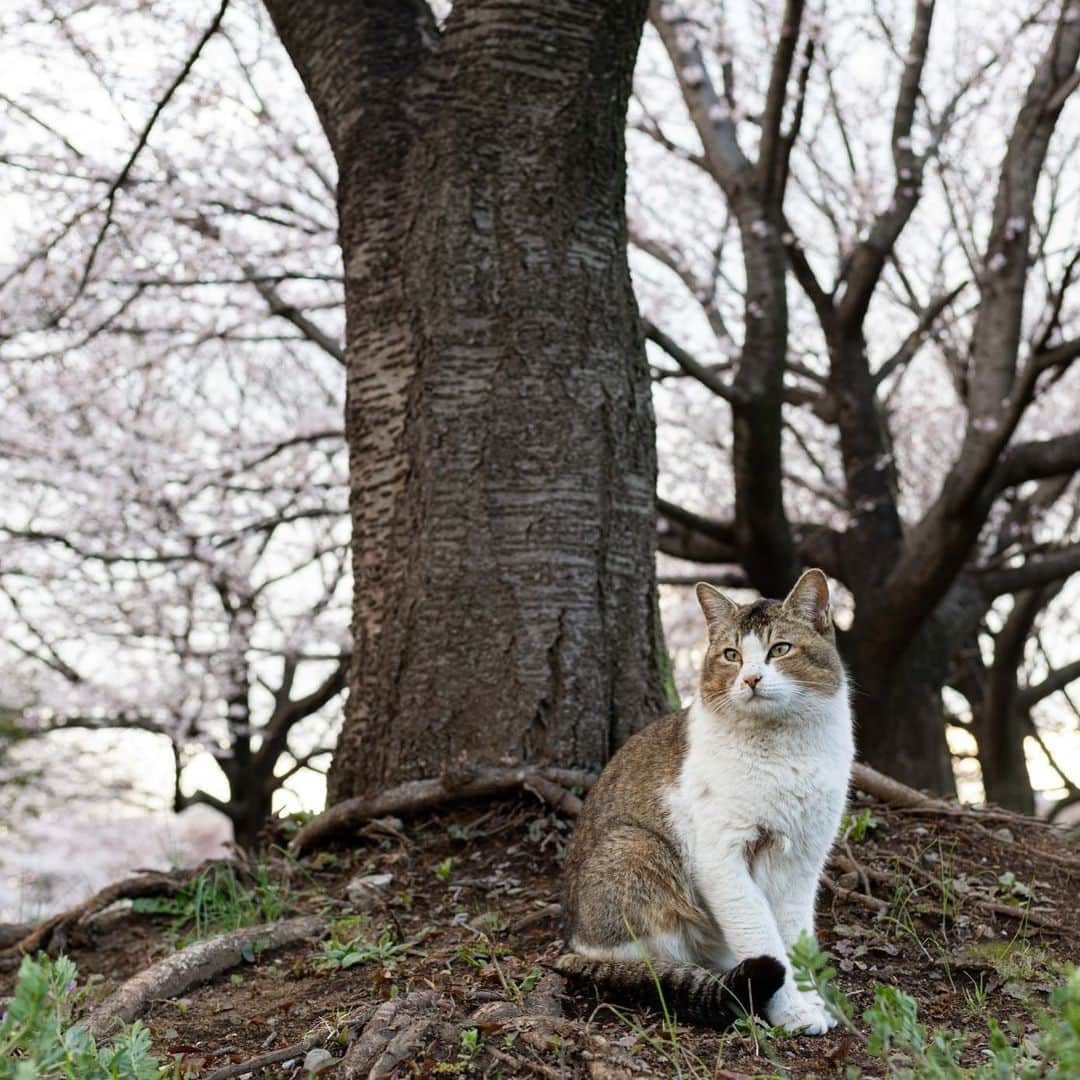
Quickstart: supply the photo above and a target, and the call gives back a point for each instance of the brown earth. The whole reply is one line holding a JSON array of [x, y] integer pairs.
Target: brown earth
[[473, 896]]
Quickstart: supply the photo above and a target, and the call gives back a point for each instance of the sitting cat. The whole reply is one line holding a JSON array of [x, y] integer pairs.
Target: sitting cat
[[704, 840]]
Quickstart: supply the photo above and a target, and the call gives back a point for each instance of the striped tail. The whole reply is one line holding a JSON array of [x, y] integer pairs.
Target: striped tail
[[691, 993]]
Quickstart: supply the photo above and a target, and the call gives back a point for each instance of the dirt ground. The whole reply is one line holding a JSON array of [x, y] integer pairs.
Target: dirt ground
[[470, 913]]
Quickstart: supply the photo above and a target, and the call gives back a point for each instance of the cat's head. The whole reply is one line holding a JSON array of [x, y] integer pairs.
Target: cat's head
[[767, 658]]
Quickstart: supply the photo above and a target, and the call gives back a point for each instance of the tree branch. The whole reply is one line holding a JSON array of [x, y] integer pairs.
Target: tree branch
[[770, 149], [1032, 573], [868, 259], [694, 368], [1057, 680], [144, 135], [711, 115], [1037, 460]]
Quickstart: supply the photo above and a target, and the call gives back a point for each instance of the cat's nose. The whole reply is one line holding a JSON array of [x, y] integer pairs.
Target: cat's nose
[[751, 680]]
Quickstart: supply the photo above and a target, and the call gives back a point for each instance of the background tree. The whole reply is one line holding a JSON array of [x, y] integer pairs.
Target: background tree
[[172, 463], [910, 253], [177, 562]]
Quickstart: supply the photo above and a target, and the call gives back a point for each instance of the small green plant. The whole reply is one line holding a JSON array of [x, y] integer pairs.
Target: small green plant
[[908, 1051], [470, 1047], [216, 901], [856, 829], [1013, 889], [445, 869], [39, 1042], [975, 996], [341, 953]]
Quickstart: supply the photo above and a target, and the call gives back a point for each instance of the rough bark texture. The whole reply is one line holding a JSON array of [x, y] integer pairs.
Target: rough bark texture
[[498, 405]]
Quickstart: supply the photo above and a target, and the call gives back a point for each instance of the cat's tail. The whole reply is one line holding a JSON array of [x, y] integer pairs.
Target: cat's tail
[[691, 993]]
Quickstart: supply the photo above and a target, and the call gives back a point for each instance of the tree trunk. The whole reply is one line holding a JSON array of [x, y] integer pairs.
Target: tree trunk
[[248, 818], [900, 723], [1000, 724], [900, 728], [1002, 758], [498, 409]]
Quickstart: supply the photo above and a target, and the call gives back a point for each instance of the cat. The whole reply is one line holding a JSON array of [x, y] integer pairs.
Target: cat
[[703, 842]]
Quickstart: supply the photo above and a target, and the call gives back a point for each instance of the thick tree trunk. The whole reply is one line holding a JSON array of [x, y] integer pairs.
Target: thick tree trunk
[[498, 415]]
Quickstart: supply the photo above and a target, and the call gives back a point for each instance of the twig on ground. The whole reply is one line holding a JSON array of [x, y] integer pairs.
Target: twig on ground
[[518, 1064], [317, 1036], [885, 877], [275, 1057], [852, 896], [196, 964], [548, 911]]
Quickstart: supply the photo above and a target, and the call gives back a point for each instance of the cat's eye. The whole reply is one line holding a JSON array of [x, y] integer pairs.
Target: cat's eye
[[779, 649], [731, 655]]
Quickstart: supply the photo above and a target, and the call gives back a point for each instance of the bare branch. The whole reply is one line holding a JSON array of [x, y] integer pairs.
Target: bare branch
[[694, 368], [144, 135], [1037, 460], [1032, 573], [712, 116], [1057, 680], [771, 155]]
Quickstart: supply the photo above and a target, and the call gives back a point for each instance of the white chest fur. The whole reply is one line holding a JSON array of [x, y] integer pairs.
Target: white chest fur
[[768, 794]]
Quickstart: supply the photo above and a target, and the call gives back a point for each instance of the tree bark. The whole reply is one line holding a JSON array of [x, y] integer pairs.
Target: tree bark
[[498, 401], [899, 720]]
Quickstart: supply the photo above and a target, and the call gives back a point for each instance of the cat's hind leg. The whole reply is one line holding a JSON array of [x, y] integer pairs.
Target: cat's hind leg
[[633, 925], [630, 896]]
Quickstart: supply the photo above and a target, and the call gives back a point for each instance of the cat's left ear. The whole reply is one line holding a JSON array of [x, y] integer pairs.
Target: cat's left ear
[[717, 608], [809, 601]]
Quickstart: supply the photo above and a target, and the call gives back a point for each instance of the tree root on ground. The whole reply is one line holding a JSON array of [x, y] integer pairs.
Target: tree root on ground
[[196, 964], [396, 1031], [52, 931], [13, 933], [416, 795], [553, 786]]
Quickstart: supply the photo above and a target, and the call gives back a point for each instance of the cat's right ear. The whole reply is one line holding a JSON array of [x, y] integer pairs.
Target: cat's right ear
[[717, 607]]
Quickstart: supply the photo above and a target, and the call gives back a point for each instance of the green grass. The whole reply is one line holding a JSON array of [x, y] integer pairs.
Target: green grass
[[907, 1050], [38, 1040], [216, 901]]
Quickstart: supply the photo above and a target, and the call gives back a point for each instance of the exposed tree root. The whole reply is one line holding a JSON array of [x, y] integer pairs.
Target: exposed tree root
[[396, 1030], [42, 936], [13, 933], [901, 797], [196, 964], [417, 795], [893, 793]]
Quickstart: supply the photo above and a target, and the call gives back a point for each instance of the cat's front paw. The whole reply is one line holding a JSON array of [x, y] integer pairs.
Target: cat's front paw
[[799, 1012]]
